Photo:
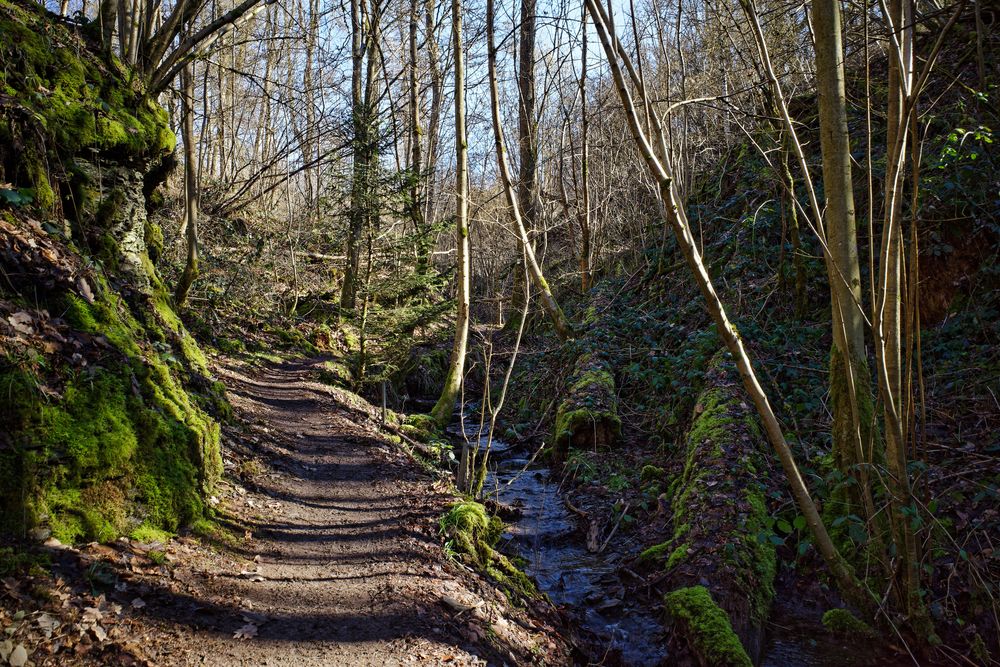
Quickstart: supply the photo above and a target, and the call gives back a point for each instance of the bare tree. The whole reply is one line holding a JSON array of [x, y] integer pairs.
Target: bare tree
[[445, 405]]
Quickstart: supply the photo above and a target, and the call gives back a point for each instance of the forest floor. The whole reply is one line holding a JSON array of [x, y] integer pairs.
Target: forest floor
[[326, 552]]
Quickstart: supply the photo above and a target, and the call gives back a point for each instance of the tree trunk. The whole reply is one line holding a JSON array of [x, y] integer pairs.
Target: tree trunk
[[850, 379], [190, 190], [584, 215], [445, 405], [416, 203], [888, 313], [348, 295], [549, 304]]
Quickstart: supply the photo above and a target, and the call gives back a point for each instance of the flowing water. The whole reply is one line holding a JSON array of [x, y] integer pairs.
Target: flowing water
[[588, 587], [585, 584]]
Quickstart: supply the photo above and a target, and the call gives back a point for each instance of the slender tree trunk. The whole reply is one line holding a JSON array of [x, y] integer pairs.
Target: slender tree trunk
[[190, 189], [445, 405], [888, 312], [584, 214], [790, 210], [416, 203], [434, 128], [527, 130], [850, 379], [527, 139], [677, 219], [348, 295], [549, 304]]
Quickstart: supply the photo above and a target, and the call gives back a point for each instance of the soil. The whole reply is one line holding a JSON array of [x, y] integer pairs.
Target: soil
[[331, 555]]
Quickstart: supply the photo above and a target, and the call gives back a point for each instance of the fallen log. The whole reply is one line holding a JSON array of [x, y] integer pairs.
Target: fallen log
[[720, 561], [587, 417]]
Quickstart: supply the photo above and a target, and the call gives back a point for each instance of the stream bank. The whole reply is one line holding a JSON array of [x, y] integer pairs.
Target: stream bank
[[615, 606]]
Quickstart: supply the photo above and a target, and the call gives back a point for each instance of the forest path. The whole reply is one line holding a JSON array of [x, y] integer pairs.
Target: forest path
[[340, 563]]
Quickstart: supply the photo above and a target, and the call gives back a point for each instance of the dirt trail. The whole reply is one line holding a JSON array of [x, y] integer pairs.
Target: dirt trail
[[340, 562]]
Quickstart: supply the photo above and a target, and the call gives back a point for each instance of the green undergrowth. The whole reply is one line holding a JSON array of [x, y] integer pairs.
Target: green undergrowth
[[705, 628], [121, 447], [422, 428], [471, 536]]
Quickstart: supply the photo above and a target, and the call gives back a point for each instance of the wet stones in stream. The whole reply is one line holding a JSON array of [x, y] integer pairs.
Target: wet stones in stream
[[615, 623]]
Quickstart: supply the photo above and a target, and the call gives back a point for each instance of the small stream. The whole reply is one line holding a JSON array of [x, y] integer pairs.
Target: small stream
[[585, 584]]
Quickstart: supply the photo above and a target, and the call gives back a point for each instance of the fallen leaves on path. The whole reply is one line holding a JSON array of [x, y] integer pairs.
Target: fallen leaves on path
[[248, 631]]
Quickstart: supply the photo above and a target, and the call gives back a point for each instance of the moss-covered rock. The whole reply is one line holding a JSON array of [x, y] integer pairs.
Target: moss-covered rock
[[471, 534], [703, 629], [844, 623], [105, 430], [58, 83]]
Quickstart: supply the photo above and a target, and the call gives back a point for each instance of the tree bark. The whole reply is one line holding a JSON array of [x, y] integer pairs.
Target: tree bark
[[359, 120], [445, 405], [190, 190], [549, 304], [850, 379]]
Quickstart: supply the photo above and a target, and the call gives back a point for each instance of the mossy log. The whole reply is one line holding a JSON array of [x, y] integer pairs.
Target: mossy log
[[719, 517], [587, 418]]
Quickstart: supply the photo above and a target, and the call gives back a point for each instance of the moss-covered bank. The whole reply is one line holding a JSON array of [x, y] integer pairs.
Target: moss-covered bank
[[471, 534], [105, 425]]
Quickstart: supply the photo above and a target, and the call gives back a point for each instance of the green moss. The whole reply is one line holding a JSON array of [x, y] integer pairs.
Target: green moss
[[569, 421], [676, 556], [125, 445], [650, 473], [705, 627], [471, 535], [761, 554], [75, 97], [588, 415], [721, 454], [149, 534], [45, 197], [979, 650], [842, 622], [335, 373], [599, 378], [230, 346], [421, 427], [90, 427], [656, 552], [154, 241], [16, 562]]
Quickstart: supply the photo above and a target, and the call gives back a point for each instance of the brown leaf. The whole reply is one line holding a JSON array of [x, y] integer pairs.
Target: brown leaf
[[92, 615], [248, 631], [22, 322], [85, 292]]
